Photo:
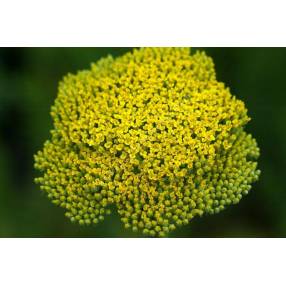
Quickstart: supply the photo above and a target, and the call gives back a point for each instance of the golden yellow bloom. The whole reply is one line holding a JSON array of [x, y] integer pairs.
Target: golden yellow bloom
[[152, 132]]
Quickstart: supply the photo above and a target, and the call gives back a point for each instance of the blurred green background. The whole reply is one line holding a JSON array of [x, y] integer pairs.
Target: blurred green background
[[28, 87]]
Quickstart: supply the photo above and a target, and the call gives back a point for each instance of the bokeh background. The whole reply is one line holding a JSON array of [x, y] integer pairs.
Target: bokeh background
[[28, 87]]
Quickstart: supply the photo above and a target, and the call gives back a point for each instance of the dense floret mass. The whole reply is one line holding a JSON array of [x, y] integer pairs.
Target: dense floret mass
[[151, 132]]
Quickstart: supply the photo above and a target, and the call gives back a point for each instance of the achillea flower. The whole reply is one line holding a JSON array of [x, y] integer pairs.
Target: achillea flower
[[153, 133]]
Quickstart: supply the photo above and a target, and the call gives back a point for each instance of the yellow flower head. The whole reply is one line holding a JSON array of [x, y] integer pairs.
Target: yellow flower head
[[153, 133]]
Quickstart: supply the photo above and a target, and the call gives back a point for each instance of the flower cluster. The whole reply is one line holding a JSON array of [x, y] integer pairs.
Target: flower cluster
[[153, 133]]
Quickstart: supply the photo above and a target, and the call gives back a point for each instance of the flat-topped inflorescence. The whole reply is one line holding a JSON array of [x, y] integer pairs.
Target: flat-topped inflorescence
[[151, 132]]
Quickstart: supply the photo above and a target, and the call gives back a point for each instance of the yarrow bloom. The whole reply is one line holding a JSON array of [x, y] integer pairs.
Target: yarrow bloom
[[151, 132]]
